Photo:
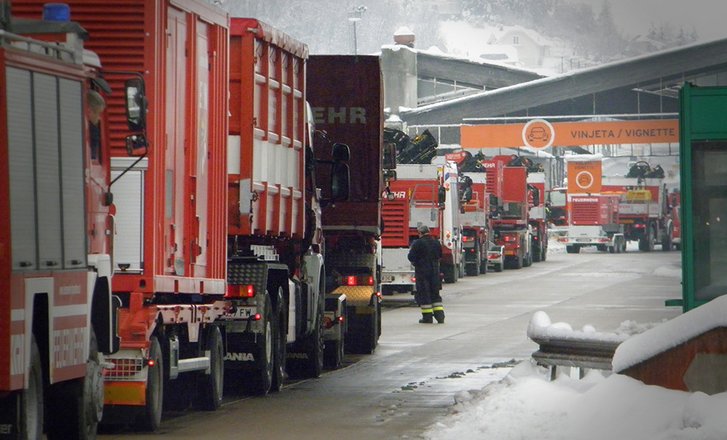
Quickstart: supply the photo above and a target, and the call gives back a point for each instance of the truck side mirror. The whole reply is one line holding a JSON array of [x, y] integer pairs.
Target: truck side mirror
[[389, 160], [536, 196], [442, 195], [340, 181], [340, 153], [135, 104]]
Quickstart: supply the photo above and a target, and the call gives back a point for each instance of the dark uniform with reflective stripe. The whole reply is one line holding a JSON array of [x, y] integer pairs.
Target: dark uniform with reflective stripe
[[425, 254]]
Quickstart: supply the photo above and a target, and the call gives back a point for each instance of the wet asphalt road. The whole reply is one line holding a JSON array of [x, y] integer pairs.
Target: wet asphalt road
[[413, 378]]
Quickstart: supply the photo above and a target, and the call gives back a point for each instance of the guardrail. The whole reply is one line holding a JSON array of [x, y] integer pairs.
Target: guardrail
[[561, 346], [574, 353]]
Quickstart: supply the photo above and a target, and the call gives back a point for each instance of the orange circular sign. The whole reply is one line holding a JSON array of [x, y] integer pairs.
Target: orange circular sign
[[538, 133], [584, 179]]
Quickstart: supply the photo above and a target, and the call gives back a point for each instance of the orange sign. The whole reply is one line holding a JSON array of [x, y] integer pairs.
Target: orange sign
[[539, 133], [584, 177]]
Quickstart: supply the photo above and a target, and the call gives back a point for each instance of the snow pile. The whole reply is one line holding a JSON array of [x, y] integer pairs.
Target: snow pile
[[671, 333], [555, 247], [525, 406], [542, 328]]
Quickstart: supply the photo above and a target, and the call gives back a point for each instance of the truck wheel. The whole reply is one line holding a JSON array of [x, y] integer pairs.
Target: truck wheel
[[151, 416], [31, 398], [76, 407], [528, 259], [361, 337], [333, 354], [260, 381], [210, 386], [483, 267], [449, 273], [471, 269], [666, 243], [313, 366], [537, 254], [281, 352]]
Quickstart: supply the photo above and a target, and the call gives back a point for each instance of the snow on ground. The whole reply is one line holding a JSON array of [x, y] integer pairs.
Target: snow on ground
[[525, 405]]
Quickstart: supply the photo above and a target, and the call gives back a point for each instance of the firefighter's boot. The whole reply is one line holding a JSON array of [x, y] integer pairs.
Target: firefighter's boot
[[427, 315], [439, 313]]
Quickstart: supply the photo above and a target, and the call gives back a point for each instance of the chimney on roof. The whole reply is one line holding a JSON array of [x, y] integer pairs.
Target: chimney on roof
[[404, 36]]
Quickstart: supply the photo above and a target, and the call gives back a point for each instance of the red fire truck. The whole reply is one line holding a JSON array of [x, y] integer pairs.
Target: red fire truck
[[537, 216], [475, 212], [423, 194], [593, 221], [511, 215], [56, 234], [644, 210], [346, 95]]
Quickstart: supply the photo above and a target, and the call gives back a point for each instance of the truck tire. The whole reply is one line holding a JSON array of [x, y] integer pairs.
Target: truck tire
[[483, 267], [76, 407], [260, 381], [572, 249], [362, 334], [151, 415], [519, 261], [281, 349], [537, 253], [666, 243], [31, 398], [333, 354], [313, 366], [471, 269], [210, 386], [449, 273]]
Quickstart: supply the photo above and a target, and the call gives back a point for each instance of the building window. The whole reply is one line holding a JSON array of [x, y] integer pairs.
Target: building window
[[515, 39]]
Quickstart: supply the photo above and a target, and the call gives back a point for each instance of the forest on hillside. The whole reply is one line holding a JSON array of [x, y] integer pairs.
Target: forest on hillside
[[326, 27]]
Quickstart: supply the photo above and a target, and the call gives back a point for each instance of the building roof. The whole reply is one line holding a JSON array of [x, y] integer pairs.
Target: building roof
[[640, 84]]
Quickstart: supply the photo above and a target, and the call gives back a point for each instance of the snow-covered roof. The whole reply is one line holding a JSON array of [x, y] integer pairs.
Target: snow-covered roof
[[671, 333], [582, 157], [572, 84]]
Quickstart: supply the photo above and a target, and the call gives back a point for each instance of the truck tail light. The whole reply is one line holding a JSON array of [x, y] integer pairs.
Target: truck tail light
[[361, 280], [329, 323], [466, 238], [413, 279], [240, 291], [493, 256], [508, 238]]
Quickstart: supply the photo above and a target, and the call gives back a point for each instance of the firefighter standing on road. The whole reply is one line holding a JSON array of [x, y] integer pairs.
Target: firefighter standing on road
[[425, 254]]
